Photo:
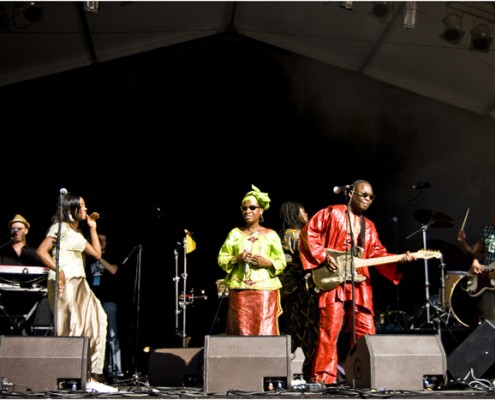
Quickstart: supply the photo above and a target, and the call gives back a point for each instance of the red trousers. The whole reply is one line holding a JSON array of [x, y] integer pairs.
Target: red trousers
[[332, 319]]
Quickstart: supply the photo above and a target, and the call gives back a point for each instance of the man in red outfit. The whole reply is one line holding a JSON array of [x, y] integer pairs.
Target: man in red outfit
[[344, 229]]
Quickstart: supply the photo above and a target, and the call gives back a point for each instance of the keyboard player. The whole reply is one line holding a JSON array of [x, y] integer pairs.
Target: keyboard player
[[17, 251], [22, 281]]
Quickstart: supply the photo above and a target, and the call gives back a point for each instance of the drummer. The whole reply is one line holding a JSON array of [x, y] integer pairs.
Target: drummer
[[483, 253]]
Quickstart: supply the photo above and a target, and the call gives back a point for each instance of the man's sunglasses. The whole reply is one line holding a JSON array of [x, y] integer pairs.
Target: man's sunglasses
[[365, 194]]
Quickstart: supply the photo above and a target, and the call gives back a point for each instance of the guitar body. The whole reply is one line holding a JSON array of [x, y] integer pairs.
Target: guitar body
[[480, 283], [326, 279]]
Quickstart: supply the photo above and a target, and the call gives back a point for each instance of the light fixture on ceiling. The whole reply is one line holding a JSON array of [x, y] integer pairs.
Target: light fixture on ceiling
[[382, 10], [348, 5], [409, 18], [31, 11], [480, 38], [91, 6], [452, 32]]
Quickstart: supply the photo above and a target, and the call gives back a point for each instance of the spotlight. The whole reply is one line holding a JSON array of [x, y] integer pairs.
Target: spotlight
[[452, 32], [91, 6], [480, 38], [348, 5], [409, 20]]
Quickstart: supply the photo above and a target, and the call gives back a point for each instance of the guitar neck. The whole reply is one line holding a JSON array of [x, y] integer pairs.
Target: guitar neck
[[488, 268], [367, 262]]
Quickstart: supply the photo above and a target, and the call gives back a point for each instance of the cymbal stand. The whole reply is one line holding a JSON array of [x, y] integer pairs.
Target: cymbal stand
[[442, 282]]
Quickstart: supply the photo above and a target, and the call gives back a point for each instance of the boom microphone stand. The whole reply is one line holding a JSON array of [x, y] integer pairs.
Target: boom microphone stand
[[424, 228]]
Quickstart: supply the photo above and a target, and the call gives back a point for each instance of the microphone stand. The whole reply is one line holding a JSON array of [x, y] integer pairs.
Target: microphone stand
[[184, 299], [176, 281], [136, 302], [57, 266], [424, 228], [353, 269]]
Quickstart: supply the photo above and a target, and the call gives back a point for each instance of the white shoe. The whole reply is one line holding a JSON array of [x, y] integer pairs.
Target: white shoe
[[92, 386]]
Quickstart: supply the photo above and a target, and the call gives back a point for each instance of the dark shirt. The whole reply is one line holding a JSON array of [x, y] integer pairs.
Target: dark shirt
[[28, 256], [104, 284], [487, 240]]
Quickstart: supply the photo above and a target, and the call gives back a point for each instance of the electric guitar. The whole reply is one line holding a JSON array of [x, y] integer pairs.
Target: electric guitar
[[479, 283], [326, 279]]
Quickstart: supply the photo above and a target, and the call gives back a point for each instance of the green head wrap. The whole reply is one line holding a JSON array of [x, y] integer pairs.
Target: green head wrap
[[261, 198]]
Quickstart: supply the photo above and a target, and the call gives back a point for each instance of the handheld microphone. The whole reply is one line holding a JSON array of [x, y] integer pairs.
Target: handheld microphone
[[421, 185], [339, 189], [63, 191], [246, 265]]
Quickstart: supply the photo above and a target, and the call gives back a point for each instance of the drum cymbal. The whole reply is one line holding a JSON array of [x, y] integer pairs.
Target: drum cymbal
[[433, 218], [453, 256]]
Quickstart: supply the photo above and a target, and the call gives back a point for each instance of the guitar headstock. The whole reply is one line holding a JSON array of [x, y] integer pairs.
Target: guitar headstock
[[427, 254]]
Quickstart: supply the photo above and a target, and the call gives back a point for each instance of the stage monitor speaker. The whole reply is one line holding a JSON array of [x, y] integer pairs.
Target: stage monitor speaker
[[403, 362], [45, 363], [247, 363], [475, 355], [176, 367]]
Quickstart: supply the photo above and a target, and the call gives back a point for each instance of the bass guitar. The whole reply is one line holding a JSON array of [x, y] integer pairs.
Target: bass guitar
[[479, 283], [327, 279]]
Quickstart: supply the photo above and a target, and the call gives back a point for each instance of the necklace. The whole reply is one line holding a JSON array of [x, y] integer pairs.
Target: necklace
[[253, 232]]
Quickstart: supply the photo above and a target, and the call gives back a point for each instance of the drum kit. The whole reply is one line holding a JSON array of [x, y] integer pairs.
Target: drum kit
[[453, 306]]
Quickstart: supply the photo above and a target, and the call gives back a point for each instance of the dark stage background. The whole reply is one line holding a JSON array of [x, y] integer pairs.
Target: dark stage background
[[173, 139]]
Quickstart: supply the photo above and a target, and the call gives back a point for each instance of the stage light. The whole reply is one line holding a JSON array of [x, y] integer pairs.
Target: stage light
[[409, 18], [480, 38], [452, 32], [348, 5], [91, 6]]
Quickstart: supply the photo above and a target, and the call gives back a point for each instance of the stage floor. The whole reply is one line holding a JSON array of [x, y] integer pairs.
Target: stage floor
[[140, 389]]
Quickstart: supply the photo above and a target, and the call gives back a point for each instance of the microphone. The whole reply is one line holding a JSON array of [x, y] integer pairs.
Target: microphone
[[13, 232], [63, 191], [339, 189], [245, 267], [421, 185]]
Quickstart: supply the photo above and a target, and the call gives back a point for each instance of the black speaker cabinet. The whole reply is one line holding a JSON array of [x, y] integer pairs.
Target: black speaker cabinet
[[401, 362], [248, 363], [475, 355], [44, 364], [176, 367]]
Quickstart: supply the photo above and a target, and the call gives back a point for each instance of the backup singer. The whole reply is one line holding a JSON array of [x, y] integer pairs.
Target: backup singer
[[252, 256]]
